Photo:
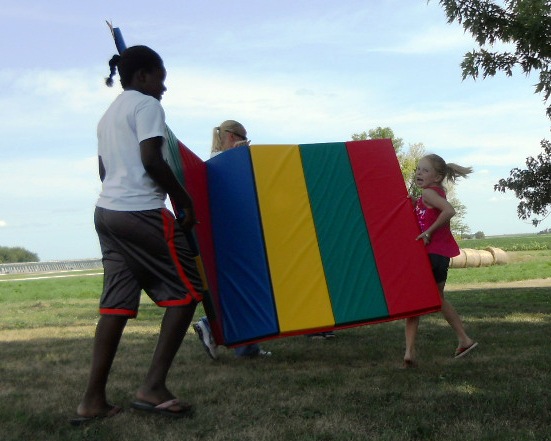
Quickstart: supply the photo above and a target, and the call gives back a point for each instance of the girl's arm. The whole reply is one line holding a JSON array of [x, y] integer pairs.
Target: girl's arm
[[433, 200], [161, 173]]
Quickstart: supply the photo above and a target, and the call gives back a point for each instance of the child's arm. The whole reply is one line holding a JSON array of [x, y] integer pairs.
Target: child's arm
[[433, 200], [160, 172]]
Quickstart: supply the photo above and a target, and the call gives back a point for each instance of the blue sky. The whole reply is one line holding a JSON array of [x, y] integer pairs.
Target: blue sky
[[290, 71]]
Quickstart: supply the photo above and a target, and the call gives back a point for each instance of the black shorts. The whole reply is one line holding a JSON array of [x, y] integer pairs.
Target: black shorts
[[440, 265], [144, 250]]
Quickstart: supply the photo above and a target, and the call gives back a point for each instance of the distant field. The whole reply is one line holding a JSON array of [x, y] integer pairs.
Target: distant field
[[525, 242]]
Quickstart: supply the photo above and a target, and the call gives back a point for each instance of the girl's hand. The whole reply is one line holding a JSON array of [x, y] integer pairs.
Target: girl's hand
[[425, 237], [186, 218]]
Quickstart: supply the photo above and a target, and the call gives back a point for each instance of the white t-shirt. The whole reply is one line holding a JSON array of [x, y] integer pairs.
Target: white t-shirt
[[131, 118]]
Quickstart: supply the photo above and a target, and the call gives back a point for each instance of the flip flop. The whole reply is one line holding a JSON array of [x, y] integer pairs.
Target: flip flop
[[186, 410], [80, 420], [461, 352]]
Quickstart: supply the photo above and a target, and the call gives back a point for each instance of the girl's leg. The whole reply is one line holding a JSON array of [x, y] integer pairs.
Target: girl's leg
[[175, 324], [108, 334], [412, 325], [452, 317]]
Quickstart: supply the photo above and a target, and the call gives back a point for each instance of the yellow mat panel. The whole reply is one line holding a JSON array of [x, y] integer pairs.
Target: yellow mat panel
[[300, 289]]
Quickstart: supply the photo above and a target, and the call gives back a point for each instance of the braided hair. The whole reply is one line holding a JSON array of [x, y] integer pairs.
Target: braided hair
[[113, 62], [130, 61]]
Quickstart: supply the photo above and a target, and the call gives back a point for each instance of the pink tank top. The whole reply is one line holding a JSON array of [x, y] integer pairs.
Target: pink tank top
[[441, 241]]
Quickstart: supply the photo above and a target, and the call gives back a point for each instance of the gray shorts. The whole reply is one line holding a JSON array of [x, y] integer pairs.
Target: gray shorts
[[145, 250]]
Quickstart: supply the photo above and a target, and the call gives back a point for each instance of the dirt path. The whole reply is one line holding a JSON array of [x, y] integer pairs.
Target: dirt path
[[38, 276]]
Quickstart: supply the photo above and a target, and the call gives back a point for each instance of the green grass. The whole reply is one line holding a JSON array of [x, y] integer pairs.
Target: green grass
[[523, 265], [349, 388], [524, 242]]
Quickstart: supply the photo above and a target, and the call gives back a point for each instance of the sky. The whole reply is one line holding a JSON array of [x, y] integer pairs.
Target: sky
[[291, 71]]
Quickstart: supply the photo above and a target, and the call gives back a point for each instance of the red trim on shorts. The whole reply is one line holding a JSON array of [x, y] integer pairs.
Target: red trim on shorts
[[182, 302], [116, 311], [168, 221]]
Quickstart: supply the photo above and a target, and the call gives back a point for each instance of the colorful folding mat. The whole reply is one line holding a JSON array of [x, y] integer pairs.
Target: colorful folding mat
[[302, 238], [295, 239]]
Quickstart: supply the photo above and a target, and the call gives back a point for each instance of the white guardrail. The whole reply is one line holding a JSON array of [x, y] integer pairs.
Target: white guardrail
[[55, 265]]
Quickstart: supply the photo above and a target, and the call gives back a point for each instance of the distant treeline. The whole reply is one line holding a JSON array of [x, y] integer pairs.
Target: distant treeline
[[17, 254]]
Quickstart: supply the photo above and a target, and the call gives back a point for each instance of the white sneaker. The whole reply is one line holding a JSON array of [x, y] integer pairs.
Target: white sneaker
[[202, 329]]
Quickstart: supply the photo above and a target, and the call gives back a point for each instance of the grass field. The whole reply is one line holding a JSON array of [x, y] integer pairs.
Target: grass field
[[348, 388], [525, 242]]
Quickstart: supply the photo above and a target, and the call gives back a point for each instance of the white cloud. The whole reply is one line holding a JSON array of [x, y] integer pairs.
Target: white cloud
[[49, 178], [52, 114], [277, 105], [433, 39]]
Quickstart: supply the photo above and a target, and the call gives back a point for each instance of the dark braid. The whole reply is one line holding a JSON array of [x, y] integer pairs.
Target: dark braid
[[130, 61], [113, 62]]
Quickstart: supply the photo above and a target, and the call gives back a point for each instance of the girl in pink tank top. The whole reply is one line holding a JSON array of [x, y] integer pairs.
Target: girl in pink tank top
[[433, 213]]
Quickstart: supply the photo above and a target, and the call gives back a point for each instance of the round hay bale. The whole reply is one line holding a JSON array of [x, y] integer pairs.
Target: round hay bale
[[473, 258], [459, 261], [500, 257], [486, 258]]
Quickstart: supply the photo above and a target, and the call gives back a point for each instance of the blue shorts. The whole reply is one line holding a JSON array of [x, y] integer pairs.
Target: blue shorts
[[145, 250], [440, 265]]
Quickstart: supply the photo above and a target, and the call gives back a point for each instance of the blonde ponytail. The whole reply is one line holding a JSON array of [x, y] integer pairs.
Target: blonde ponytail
[[451, 171], [218, 134]]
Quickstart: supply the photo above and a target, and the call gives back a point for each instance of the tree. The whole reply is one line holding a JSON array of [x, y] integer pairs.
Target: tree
[[17, 254], [526, 24], [407, 160], [531, 186], [408, 164], [457, 223], [381, 133], [525, 27]]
